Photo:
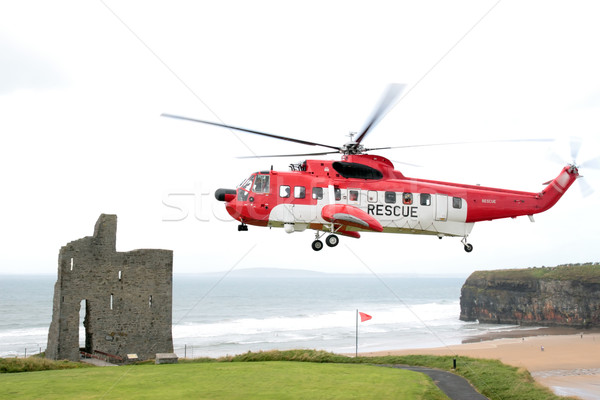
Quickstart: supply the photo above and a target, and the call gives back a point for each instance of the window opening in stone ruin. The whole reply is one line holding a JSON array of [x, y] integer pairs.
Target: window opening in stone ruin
[[120, 276], [150, 301], [85, 336], [111, 301], [71, 263], [82, 324]]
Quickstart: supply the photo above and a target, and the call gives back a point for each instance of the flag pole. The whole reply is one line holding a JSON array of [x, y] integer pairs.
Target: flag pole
[[356, 354]]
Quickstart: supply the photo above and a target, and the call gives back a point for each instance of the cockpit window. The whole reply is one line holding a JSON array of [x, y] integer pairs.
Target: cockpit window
[[261, 184], [247, 183], [244, 188]]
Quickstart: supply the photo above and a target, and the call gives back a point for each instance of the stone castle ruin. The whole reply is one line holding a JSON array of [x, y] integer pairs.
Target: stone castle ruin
[[127, 298]]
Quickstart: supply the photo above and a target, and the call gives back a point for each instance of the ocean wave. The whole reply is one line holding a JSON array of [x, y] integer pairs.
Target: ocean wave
[[23, 334], [384, 319]]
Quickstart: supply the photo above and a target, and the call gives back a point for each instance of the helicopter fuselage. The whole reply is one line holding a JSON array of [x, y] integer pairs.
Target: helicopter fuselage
[[365, 193]]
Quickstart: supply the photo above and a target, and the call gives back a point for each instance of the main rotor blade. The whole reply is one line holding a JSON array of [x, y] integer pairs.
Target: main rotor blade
[[387, 102], [555, 158], [575, 146], [405, 163], [593, 163], [585, 187], [457, 143], [292, 155], [251, 131]]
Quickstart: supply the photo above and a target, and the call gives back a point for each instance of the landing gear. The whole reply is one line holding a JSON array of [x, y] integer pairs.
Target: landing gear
[[242, 227], [468, 246], [332, 240]]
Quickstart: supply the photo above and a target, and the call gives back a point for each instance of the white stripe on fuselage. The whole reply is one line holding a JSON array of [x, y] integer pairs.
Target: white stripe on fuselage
[[394, 217]]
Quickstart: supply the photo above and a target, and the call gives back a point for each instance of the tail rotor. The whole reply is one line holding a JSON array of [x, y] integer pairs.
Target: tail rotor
[[575, 145]]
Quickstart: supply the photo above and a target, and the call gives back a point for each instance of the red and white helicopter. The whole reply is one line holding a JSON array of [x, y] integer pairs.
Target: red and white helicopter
[[363, 192]]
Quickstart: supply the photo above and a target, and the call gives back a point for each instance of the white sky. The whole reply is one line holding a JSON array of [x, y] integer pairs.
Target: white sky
[[83, 84]]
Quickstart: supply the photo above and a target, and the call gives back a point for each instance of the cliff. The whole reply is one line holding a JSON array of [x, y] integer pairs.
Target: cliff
[[567, 295]]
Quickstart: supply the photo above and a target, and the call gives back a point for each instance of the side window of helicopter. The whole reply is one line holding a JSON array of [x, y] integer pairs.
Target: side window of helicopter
[[299, 192], [407, 198], [261, 184], [338, 194], [242, 195], [317, 193], [425, 199], [353, 195], [372, 196], [390, 197], [456, 202], [284, 191]]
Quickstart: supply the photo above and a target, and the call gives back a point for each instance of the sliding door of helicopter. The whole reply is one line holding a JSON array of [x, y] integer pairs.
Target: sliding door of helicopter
[[441, 207]]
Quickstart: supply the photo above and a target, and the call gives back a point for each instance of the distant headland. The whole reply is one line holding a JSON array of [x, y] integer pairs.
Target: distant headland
[[565, 295]]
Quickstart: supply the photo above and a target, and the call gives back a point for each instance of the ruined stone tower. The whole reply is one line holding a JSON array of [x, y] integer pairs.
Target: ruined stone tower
[[127, 298]]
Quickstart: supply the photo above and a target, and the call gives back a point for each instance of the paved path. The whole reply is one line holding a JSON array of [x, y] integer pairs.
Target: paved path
[[454, 386], [97, 362]]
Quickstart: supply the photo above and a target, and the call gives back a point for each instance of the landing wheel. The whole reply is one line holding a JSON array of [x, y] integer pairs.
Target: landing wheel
[[332, 240], [468, 247], [317, 245]]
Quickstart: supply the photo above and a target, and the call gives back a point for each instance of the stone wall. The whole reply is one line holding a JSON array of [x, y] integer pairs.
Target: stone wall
[[127, 297], [559, 296]]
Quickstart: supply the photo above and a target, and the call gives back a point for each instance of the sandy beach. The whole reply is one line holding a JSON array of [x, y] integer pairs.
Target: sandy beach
[[566, 362]]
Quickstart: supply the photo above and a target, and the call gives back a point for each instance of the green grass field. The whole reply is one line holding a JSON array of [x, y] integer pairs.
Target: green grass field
[[238, 380], [291, 374]]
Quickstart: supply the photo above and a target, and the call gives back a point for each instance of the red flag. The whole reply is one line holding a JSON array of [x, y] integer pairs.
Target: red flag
[[364, 317]]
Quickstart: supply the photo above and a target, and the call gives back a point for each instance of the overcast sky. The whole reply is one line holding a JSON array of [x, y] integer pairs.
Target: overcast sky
[[83, 84]]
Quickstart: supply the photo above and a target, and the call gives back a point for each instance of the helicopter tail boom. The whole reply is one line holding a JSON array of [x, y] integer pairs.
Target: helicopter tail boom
[[557, 187]]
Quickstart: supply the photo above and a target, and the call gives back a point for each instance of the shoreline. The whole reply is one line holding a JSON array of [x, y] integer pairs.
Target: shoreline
[[566, 360], [529, 331]]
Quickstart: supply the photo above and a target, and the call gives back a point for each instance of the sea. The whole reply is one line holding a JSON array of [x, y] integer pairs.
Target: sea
[[231, 313]]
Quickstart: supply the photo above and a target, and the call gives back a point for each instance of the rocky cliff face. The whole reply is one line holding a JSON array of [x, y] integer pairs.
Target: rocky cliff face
[[558, 296]]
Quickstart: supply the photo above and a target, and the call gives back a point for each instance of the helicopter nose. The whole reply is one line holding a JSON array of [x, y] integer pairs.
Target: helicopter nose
[[225, 194]]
